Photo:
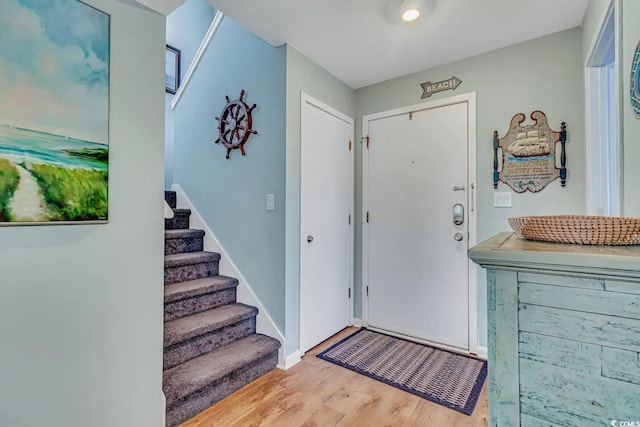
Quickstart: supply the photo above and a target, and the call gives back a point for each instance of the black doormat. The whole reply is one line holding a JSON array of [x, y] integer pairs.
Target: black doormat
[[449, 379]]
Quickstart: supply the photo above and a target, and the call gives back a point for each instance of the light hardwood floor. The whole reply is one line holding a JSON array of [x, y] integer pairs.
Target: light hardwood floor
[[318, 393]]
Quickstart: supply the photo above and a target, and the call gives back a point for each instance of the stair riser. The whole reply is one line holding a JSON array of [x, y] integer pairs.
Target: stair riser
[[190, 272], [178, 222], [179, 246], [170, 198], [187, 407], [190, 349], [186, 307]]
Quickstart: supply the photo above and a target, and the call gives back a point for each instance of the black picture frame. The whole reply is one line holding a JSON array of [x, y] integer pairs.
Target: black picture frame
[[172, 70]]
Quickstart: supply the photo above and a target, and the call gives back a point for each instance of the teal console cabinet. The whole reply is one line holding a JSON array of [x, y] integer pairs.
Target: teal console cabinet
[[564, 333]]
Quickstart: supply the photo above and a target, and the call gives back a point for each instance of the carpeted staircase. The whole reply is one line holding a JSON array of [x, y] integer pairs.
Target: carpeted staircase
[[211, 348]]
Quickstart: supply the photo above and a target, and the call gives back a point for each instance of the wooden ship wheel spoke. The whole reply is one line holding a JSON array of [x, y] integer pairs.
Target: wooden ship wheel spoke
[[234, 124]]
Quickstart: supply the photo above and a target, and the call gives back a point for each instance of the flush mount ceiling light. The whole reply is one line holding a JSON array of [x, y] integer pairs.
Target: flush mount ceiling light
[[409, 10]]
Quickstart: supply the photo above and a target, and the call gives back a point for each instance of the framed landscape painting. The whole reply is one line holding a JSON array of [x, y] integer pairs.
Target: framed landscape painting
[[172, 69], [54, 112]]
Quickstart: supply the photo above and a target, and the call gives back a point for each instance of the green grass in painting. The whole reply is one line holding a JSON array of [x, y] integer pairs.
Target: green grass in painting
[[73, 194], [9, 179], [99, 154]]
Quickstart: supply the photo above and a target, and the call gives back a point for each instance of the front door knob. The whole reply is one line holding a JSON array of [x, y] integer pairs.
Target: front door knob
[[309, 238]]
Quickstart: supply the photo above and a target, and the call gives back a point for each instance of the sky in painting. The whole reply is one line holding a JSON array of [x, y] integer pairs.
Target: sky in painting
[[54, 68]]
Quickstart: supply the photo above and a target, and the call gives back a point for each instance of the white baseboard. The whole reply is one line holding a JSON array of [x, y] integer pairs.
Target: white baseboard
[[168, 212], [357, 322], [164, 410], [265, 324], [291, 360], [483, 352]]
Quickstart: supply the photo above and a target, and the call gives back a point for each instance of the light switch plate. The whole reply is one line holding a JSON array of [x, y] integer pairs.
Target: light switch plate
[[271, 202], [502, 199]]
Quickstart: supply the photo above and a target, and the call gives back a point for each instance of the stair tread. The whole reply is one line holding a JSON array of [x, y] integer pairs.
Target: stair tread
[[190, 376], [188, 258], [193, 288], [181, 211], [183, 233], [204, 322]]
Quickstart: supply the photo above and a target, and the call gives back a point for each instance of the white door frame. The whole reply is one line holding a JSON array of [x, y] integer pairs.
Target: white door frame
[[598, 127], [470, 99], [308, 99]]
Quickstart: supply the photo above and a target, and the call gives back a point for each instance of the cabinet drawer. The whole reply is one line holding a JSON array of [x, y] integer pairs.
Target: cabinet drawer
[[586, 300], [609, 331]]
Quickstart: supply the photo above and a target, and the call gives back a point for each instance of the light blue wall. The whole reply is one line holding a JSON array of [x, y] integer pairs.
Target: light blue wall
[[544, 74], [303, 75], [81, 305], [186, 26], [230, 194]]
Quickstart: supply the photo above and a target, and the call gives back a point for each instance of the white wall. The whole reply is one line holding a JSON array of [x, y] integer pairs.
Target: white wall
[[303, 75], [542, 74], [630, 36], [593, 18], [81, 306]]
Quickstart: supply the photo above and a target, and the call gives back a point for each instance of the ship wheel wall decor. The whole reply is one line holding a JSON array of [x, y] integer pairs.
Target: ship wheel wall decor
[[234, 124]]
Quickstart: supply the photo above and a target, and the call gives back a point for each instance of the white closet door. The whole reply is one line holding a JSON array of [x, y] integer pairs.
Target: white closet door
[[325, 232]]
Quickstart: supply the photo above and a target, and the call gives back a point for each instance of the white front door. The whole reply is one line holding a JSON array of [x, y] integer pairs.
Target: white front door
[[325, 226], [418, 271]]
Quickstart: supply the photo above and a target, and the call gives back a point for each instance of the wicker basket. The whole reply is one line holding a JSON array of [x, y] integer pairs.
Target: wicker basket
[[578, 229]]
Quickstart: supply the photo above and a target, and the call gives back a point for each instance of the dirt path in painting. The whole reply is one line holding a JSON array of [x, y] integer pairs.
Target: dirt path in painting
[[27, 203]]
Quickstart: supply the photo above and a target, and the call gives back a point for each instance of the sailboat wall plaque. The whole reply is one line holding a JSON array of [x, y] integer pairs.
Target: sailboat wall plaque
[[525, 158]]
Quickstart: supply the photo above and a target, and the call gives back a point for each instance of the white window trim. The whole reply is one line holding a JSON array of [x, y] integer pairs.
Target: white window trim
[[604, 195]]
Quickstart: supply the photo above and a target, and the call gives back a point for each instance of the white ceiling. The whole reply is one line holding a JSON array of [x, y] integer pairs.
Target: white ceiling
[[362, 41], [163, 7]]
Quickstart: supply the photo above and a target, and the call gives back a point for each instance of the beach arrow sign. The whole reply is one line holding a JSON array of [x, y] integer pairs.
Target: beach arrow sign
[[431, 88]]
